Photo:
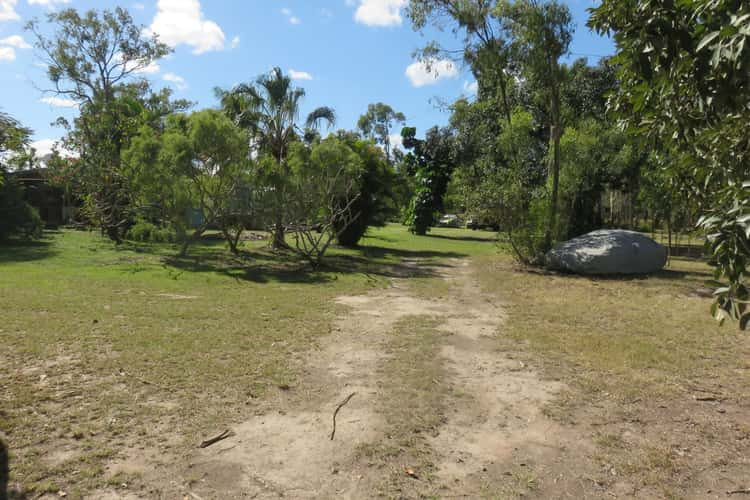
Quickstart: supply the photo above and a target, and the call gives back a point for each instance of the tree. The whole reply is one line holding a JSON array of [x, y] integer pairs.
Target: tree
[[90, 59], [431, 161], [486, 48], [542, 33], [200, 161], [18, 217], [684, 73], [323, 186], [377, 124], [374, 203], [269, 109]]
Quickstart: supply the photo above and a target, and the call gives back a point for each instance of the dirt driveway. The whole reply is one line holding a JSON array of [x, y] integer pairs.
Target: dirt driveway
[[436, 409]]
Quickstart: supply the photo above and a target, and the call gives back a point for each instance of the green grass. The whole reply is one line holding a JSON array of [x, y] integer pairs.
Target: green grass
[[103, 346]]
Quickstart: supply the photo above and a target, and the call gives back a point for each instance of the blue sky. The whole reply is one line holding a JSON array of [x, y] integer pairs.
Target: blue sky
[[345, 53]]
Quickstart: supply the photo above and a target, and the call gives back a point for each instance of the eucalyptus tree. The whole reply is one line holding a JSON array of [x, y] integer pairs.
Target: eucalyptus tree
[[542, 32], [378, 122], [486, 46], [91, 59], [268, 109]]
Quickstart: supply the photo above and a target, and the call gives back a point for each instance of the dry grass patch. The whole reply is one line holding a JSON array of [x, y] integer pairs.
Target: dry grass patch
[[411, 400], [657, 385]]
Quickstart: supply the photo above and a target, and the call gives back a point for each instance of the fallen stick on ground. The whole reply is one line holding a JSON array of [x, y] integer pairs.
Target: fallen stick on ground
[[745, 491], [333, 432], [216, 439]]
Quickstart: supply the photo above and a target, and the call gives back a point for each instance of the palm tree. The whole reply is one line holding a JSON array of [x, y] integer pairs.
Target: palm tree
[[269, 109]]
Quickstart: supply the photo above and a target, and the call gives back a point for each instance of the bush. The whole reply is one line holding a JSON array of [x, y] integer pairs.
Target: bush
[[145, 231], [17, 217]]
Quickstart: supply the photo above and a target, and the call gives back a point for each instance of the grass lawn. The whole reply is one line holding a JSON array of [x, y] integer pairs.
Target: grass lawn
[[105, 348]]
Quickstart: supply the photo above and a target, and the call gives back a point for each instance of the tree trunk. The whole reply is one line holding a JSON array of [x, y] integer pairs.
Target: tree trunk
[[555, 134], [279, 241]]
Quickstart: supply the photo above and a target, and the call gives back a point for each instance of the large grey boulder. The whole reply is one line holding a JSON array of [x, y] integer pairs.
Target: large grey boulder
[[608, 251]]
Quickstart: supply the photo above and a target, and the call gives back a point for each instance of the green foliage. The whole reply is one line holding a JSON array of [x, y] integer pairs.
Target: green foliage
[[17, 218], [595, 156], [90, 58], [684, 72], [268, 110], [145, 231], [374, 203], [378, 122], [431, 160], [727, 228], [198, 162], [323, 186]]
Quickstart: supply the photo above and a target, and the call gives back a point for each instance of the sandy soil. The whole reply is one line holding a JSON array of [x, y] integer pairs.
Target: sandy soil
[[286, 450]]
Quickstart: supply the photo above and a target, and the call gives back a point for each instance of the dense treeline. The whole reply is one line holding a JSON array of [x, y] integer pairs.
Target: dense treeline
[[145, 166], [651, 137]]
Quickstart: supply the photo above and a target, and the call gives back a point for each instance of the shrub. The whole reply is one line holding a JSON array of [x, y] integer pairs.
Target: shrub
[[145, 231], [17, 217]]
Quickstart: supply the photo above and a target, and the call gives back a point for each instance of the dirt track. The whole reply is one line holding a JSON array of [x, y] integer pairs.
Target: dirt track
[[492, 409]]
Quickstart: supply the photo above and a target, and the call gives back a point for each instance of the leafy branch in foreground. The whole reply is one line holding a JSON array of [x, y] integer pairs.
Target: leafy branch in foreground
[[684, 72]]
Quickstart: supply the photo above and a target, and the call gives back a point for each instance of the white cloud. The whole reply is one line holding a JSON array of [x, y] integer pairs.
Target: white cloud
[[151, 69], [8, 10], [132, 65], [16, 41], [47, 3], [44, 147], [7, 54], [380, 12], [59, 102], [178, 81], [182, 22], [235, 42], [397, 142], [430, 72], [300, 75], [139, 6], [290, 17], [471, 87]]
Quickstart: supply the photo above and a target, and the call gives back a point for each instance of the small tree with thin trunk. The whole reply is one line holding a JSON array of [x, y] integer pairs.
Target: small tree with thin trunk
[[268, 109]]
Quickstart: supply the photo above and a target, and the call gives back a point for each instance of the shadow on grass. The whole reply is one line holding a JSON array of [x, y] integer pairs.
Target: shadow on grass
[[267, 266], [687, 251], [5, 491], [663, 274], [25, 251], [465, 238]]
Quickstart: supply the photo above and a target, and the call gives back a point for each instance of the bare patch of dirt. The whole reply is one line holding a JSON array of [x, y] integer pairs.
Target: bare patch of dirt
[[177, 296], [493, 408], [438, 409]]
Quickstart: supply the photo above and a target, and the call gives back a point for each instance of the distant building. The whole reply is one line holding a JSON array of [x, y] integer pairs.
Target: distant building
[[47, 199]]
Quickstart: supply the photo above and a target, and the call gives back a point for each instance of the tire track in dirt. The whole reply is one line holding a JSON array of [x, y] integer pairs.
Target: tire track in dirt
[[288, 452], [502, 422]]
